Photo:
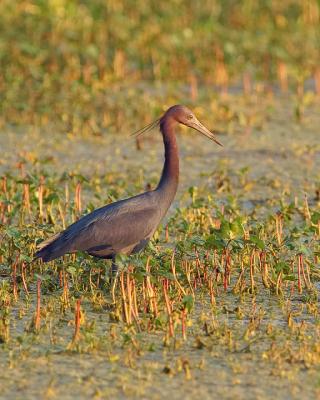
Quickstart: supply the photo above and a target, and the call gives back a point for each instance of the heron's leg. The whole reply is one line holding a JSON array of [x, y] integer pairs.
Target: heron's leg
[[113, 278], [114, 267]]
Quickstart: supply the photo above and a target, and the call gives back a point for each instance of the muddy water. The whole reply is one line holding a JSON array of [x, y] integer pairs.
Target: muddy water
[[284, 156], [41, 367]]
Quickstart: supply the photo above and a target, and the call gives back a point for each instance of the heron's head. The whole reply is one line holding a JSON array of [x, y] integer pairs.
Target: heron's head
[[186, 117]]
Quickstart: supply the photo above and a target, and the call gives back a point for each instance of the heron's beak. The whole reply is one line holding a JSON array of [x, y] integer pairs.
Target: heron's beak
[[202, 129]]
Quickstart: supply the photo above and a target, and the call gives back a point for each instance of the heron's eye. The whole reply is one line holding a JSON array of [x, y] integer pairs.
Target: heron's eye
[[190, 116]]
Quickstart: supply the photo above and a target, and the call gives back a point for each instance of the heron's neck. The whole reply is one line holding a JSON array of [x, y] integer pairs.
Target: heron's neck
[[170, 174]]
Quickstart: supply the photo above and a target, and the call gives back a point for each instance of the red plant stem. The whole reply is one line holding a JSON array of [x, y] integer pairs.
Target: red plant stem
[[77, 320], [23, 269], [167, 233], [65, 288], [61, 278], [212, 297], [134, 298], [38, 309], [226, 270], [283, 76]]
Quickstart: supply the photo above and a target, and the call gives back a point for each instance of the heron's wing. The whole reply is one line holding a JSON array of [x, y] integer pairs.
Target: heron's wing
[[115, 228], [117, 231]]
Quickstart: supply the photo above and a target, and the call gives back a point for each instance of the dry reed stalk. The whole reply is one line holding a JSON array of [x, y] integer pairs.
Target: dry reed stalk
[[130, 295], [124, 300], [299, 277], [306, 208], [279, 283], [119, 64], [282, 71], [306, 277], [199, 265], [211, 291], [4, 206], [67, 196], [134, 299], [222, 77], [150, 290], [62, 216], [173, 269], [26, 198], [264, 269], [187, 269], [26, 193], [252, 267], [144, 295], [65, 293], [40, 198], [77, 199], [169, 308], [279, 228]]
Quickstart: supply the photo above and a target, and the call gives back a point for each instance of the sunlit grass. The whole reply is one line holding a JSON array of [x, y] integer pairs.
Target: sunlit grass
[[68, 62]]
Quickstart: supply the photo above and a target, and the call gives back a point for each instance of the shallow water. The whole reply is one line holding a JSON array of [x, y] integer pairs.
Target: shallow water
[[42, 367], [284, 153]]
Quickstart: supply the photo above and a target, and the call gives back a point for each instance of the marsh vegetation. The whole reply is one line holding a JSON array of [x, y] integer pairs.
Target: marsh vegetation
[[225, 298]]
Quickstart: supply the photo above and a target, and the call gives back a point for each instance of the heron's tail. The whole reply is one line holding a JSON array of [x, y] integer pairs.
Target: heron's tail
[[51, 248]]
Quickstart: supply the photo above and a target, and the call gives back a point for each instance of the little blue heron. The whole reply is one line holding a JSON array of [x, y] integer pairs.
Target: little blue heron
[[126, 226]]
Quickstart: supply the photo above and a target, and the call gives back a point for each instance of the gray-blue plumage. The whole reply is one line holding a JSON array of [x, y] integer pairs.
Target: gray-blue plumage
[[127, 225]]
